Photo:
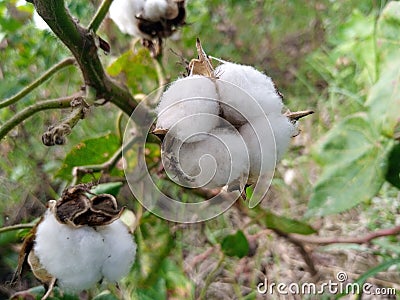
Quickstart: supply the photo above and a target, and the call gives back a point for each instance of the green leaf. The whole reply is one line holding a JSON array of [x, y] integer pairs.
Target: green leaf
[[393, 170], [287, 225], [157, 291], [387, 32], [383, 100], [354, 158], [137, 67], [235, 244], [382, 267], [112, 188], [89, 152]]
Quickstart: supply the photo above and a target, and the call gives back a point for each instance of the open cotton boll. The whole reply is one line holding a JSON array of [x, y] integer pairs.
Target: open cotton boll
[[266, 143], [187, 107], [259, 87], [124, 12], [219, 159], [120, 250], [73, 255]]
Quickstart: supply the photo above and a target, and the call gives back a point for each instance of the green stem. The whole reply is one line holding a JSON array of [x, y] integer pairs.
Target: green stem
[[31, 110], [61, 65], [81, 42], [16, 227], [210, 277], [100, 15]]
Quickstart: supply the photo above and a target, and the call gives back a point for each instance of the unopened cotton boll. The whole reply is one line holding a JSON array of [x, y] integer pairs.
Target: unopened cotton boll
[[73, 255], [217, 160], [187, 108], [257, 87], [267, 141], [120, 250]]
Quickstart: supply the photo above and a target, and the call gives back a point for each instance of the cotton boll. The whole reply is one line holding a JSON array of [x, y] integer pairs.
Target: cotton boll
[[124, 12], [219, 159], [120, 250], [259, 87], [266, 143], [73, 255], [187, 107]]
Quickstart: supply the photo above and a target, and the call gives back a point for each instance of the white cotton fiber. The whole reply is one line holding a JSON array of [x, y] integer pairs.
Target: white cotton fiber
[[80, 257], [124, 12], [188, 107], [265, 144], [120, 250], [73, 255], [216, 160], [257, 87], [155, 10]]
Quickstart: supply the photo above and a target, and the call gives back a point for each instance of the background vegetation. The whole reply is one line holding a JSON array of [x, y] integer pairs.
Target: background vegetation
[[334, 202]]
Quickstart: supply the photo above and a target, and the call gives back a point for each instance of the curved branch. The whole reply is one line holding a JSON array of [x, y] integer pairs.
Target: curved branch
[[346, 240], [17, 227], [82, 43], [61, 65], [31, 110]]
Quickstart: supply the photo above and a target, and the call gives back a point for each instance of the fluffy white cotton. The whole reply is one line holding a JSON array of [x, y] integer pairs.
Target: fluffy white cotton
[[189, 107], [154, 10], [266, 144], [80, 257], [124, 12], [120, 250], [257, 88], [73, 255], [219, 159]]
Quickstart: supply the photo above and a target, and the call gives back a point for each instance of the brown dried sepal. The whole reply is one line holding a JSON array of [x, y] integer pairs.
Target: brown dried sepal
[[202, 65]]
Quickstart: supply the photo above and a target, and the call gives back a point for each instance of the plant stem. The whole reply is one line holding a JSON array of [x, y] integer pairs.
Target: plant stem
[[100, 15], [210, 277], [61, 65], [16, 227], [81, 42], [31, 110]]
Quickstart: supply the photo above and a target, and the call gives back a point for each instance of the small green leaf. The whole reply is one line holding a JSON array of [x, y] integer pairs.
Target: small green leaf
[[387, 32], [287, 225], [112, 188], [354, 156], [383, 100], [393, 171], [89, 152], [235, 244], [138, 69]]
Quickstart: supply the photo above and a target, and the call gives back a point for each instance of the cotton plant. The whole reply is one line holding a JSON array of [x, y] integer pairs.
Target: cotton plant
[[233, 107], [150, 20], [78, 242]]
